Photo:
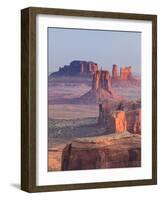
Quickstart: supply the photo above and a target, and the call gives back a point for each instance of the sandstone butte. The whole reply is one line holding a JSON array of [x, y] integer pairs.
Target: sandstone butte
[[88, 68], [102, 79], [101, 87], [128, 121], [133, 118], [78, 68], [125, 73], [100, 91], [120, 117], [120, 122], [114, 72], [111, 151]]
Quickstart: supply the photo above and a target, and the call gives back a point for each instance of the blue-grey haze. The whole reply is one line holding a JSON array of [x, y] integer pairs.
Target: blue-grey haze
[[103, 47]]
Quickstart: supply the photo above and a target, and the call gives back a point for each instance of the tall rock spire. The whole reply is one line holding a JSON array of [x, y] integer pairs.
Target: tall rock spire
[[114, 72], [102, 80]]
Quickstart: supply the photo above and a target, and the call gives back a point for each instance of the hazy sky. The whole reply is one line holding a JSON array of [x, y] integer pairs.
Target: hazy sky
[[103, 47]]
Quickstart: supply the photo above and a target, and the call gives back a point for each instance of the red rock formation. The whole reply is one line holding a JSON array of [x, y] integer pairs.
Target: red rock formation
[[112, 151], [54, 159], [125, 73], [102, 80], [105, 115], [77, 68], [120, 116], [95, 81], [120, 122], [82, 68], [86, 68], [89, 67], [134, 121], [94, 67], [114, 72]]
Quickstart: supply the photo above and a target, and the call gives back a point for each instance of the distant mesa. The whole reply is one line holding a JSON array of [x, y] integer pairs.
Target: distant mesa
[[77, 68], [88, 68], [101, 84]]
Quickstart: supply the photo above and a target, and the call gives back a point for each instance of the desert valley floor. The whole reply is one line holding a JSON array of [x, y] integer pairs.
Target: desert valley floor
[[69, 121]]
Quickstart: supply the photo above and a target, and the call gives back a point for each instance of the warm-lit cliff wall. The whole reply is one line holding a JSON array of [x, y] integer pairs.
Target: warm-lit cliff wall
[[78, 68], [102, 80], [120, 117], [125, 73]]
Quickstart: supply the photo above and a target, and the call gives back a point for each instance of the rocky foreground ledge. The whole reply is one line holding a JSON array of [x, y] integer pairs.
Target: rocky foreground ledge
[[111, 151]]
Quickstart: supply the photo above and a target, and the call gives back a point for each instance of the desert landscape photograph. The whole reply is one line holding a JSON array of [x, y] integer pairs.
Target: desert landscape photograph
[[94, 99]]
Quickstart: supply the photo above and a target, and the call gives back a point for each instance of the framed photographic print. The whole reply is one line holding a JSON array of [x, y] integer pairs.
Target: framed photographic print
[[88, 99]]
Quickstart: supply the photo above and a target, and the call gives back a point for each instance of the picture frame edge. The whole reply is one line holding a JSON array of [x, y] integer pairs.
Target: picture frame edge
[[28, 100]]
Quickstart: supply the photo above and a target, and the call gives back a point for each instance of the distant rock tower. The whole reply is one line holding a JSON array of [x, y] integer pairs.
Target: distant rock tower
[[125, 73], [114, 72]]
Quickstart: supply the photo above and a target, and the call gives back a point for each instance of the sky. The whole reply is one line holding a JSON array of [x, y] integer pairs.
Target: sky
[[103, 47]]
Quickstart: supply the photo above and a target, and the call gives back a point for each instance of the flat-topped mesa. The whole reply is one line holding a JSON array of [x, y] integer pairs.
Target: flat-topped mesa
[[102, 80], [89, 68], [125, 73], [78, 67]]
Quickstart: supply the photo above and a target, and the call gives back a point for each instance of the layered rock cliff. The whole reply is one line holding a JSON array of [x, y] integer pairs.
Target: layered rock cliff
[[133, 118], [88, 68], [125, 73], [121, 116], [120, 121], [111, 151], [77, 68], [100, 90], [102, 80]]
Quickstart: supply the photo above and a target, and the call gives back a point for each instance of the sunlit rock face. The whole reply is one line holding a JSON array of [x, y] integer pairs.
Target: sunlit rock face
[[128, 121], [112, 151], [88, 68], [125, 73], [120, 121], [133, 118], [120, 116], [102, 80]]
